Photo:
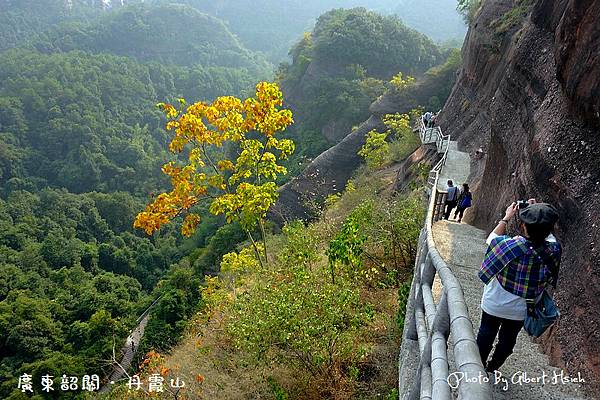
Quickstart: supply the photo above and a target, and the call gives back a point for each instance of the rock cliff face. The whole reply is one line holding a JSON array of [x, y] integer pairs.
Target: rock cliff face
[[529, 96]]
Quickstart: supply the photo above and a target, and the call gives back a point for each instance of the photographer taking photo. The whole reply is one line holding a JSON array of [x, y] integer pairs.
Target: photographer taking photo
[[514, 270]]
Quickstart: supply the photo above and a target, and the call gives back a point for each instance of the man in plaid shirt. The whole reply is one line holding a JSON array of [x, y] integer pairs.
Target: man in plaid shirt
[[526, 277], [515, 269]]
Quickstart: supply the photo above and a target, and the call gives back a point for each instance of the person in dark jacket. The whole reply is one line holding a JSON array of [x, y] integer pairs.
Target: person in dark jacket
[[464, 201]]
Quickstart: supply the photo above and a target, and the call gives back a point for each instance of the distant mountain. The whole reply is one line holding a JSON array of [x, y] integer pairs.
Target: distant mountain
[[268, 26], [438, 19], [167, 33], [273, 26], [342, 66], [22, 19]]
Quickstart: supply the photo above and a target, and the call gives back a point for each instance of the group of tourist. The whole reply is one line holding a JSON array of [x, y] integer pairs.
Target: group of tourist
[[461, 199]]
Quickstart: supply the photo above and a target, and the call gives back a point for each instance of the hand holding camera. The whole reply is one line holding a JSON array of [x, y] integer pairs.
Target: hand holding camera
[[510, 211], [522, 204], [517, 206]]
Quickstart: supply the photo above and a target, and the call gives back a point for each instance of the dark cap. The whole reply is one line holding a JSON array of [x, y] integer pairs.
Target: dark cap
[[539, 214]]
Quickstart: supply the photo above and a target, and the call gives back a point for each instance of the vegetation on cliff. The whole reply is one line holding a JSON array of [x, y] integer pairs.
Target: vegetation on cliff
[[342, 66], [322, 304], [321, 318], [395, 143]]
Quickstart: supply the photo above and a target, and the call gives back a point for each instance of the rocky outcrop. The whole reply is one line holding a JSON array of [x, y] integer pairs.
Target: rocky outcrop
[[529, 97], [577, 56], [326, 174], [330, 171]]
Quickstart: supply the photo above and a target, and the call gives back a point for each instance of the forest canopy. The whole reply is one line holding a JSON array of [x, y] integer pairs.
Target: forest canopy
[[80, 143]]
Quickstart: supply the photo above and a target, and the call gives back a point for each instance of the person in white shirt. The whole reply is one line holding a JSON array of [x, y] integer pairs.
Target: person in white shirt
[[427, 119], [451, 199], [515, 270]]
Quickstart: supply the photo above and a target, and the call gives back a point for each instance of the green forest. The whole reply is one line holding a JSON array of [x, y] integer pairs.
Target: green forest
[[351, 56], [82, 142]]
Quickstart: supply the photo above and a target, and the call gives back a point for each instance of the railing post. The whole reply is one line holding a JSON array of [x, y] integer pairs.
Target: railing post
[[438, 205], [410, 320], [422, 254], [415, 391], [420, 321], [427, 277], [441, 205], [439, 351]]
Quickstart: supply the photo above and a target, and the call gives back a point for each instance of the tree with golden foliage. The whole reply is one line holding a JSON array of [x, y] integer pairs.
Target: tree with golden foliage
[[242, 189]]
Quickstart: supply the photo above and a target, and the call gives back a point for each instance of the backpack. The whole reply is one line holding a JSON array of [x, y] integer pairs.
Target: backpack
[[466, 200], [540, 315]]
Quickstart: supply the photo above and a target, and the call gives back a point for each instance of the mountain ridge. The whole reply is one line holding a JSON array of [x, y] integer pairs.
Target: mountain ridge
[[147, 33]]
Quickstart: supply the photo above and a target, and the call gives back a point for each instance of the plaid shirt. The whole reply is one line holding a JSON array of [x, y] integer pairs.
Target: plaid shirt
[[528, 270]]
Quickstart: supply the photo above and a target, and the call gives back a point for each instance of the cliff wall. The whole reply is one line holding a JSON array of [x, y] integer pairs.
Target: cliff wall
[[528, 95]]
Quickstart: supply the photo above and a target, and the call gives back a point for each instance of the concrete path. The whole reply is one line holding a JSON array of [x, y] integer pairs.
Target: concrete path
[[129, 349], [462, 247], [457, 168]]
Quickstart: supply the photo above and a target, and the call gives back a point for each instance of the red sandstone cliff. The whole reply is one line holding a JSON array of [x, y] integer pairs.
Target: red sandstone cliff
[[529, 96]]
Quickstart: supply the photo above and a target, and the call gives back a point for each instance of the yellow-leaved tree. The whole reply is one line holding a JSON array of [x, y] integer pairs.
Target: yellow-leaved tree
[[243, 187]]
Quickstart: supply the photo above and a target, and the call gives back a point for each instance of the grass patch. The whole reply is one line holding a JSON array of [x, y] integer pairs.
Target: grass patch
[[513, 17], [400, 149]]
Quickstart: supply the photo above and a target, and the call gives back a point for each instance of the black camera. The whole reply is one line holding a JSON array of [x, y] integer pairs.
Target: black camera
[[521, 204]]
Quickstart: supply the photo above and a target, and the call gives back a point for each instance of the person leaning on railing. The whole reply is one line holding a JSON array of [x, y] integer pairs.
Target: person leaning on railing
[[515, 269], [427, 119]]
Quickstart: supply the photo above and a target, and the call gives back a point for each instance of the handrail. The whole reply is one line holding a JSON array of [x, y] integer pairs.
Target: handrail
[[147, 310], [442, 144], [431, 324]]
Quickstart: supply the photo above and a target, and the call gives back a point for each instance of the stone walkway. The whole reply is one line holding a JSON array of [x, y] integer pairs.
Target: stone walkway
[[128, 351], [462, 247], [457, 168]]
